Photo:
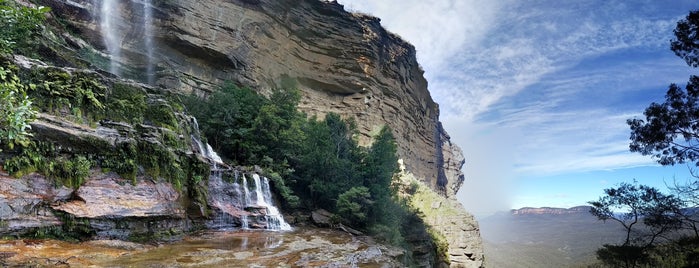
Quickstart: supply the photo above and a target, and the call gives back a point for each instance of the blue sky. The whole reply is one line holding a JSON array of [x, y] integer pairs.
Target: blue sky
[[537, 93]]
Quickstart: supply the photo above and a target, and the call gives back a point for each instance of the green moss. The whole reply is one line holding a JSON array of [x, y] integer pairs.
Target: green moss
[[171, 139], [421, 198], [126, 103], [155, 146], [70, 172], [78, 97], [160, 114], [64, 169], [441, 243], [122, 160]]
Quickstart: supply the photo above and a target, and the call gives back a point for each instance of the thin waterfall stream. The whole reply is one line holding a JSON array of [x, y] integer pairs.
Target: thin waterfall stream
[[242, 203], [111, 24]]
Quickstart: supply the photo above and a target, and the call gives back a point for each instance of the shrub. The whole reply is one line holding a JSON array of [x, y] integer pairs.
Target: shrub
[[16, 111]]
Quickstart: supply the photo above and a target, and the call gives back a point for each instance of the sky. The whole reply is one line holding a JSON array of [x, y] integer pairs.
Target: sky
[[537, 93]]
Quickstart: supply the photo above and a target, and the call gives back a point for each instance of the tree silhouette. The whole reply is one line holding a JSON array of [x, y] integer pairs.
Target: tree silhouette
[[670, 132]]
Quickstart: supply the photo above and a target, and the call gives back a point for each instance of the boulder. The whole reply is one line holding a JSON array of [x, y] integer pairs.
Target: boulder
[[321, 218]]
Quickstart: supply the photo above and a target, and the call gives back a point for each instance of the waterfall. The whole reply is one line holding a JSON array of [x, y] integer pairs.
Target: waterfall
[[148, 35], [256, 206], [110, 22], [248, 199], [244, 224], [274, 219], [110, 32], [204, 149], [261, 199]]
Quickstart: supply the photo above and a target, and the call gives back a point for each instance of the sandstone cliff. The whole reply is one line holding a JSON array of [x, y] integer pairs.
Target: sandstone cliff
[[344, 63]]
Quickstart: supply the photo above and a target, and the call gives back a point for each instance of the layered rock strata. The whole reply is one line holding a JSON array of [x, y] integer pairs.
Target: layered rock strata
[[343, 63]]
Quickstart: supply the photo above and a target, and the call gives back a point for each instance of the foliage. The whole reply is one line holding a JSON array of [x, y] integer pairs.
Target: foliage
[[283, 190], [320, 159], [329, 163], [353, 205], [82, 97], [632, 204], [250, 129], [79, 96], [126, 103], [671, 128], [226, 119], [669, 133], [627, 256], [19, 25], [68, 170], [685, 44], [16, 111]]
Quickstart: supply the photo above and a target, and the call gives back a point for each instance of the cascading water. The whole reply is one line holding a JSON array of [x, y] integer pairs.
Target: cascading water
[[249, 205], [263, 196], [247, 196], [110, 32], [148, 34], [111, 25], [244, 222]]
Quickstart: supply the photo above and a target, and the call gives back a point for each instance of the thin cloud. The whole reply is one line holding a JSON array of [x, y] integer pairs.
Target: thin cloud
[[548, 85], [438, 29]]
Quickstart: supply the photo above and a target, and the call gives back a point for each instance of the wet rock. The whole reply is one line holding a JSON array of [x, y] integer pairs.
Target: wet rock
[[299, 248], [108, 196], [24, 204], [113, 208], [117, 244]]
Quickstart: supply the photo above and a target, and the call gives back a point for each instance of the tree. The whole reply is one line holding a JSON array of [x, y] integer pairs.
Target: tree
[[18, 26], [670, 132], [329, 160], [646, 215], [381, 163], [354, 205], [632, 204], [226, 119], [685, 44]]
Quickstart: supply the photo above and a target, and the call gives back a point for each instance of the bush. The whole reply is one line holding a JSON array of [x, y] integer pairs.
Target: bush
[[354, 204], [623, 256], [16, 111], [19, 25]]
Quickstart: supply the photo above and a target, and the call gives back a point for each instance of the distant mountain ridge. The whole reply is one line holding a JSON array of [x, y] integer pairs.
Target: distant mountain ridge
[[546, 237], [550, 210]]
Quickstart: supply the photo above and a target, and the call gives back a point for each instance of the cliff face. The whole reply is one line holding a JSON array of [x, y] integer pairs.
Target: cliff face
[[343, 63]]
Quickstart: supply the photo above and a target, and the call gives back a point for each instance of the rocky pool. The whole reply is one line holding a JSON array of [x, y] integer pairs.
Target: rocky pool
[[303, 247]]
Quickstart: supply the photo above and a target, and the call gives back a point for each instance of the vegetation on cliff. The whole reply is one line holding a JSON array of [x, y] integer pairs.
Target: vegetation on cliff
[[18, 26], [320, 159], [78, 101], [312, 162]]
